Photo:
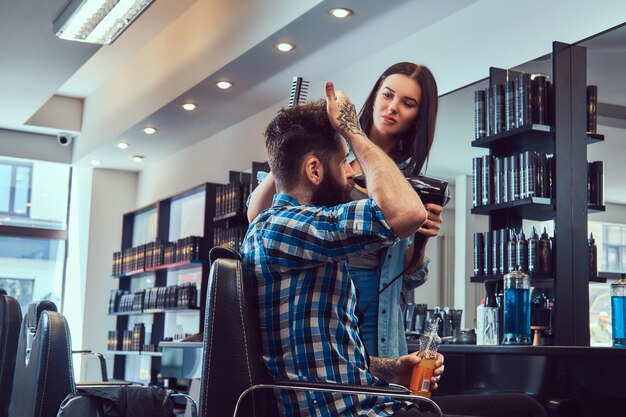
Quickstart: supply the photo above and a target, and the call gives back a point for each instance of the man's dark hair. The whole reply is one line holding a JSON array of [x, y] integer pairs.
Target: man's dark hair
[[294, 133]]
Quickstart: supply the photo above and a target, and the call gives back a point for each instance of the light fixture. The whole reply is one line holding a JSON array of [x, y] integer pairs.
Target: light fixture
[[123, 145], [340, 12], [149, 130], [98, 21], [95, 163], [284, 46], [189, 106], [138, 158], [224, 85]]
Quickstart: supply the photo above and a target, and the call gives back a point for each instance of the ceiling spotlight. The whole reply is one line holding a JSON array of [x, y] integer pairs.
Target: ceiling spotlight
[[149, 130], [123, 145], [224, 85], [95, 163], [284, 46], [189, 106], [340, 13], [138, 158]]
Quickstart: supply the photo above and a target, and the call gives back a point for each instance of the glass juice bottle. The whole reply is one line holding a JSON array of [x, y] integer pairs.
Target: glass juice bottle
[[618, 312], [423, 372], [516, 309]]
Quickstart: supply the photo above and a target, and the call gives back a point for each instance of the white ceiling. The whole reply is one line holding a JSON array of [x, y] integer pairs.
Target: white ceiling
[[178, 48]]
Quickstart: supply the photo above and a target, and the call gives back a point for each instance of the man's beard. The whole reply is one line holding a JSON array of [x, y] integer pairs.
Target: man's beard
[[331, 193]]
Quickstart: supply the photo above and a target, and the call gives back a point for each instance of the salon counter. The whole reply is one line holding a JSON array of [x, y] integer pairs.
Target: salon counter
[[572, 381]]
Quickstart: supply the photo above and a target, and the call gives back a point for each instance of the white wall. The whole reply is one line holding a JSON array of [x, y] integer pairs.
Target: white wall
[[113, 194]]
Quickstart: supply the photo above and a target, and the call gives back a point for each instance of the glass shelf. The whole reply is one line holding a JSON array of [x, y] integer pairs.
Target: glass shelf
[[175, 266]]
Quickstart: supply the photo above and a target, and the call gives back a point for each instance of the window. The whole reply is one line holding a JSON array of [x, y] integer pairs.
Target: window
[[15, 187], [612, 256], [33, 236]]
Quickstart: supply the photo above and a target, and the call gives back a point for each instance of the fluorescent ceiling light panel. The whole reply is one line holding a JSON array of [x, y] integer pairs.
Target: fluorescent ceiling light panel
[[98, 21]]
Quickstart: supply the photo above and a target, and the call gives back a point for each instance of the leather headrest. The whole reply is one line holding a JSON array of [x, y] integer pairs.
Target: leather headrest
[[34, 311], [2, 292], [219, 252]]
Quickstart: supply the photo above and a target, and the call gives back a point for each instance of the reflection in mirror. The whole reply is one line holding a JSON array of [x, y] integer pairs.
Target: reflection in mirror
[[451, 158]]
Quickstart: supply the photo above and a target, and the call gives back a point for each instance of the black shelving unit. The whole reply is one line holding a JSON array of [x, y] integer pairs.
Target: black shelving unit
[[567, 140], [212, 225], [160, 272]]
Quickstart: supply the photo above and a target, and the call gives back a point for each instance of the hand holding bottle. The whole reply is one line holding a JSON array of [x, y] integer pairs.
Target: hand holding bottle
[[424, 372]]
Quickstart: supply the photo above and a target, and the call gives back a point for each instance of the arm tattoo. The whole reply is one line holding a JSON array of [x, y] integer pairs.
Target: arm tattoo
[[347, 119], [383, 368]]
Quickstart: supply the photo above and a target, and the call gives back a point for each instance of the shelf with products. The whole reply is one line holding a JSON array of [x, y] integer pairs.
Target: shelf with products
[[530, 208], [174, 266], [164, 255], [162, 269], [157, 311], [537, 133]]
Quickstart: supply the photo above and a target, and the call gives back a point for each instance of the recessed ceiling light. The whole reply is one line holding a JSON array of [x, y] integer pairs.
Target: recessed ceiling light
[[123, 145], [95, 163], [284, 46], [224, 85], [149, 130], [340, 12], [138, 158], [189, 106]]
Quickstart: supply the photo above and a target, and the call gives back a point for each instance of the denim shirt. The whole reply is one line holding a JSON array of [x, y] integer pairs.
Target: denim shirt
[[391, 333]]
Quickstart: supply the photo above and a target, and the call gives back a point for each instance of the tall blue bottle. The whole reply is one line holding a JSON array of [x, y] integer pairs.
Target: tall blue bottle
[[618, 312], [516, 309]]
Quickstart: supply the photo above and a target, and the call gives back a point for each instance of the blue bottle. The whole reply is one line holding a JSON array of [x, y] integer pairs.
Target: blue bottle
[[516, 309], [618, 312]]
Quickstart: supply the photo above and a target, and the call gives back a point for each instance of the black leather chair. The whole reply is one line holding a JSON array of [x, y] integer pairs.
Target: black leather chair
[[10, 320], [43, 369], [234, 380]]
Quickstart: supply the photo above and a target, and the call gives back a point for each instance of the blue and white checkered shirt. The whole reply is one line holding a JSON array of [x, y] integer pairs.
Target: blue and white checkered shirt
[[296, 253]]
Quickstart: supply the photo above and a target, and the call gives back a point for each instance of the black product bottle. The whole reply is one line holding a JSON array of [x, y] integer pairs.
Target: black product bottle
[[593, 257], [477, 188], [514, 179], [498, 172], [495, 252], [480, 120], [487, 252], [498, 108], [502, 249], [540, 100], [533, 251], [545, 264], [479, 260], [511, 251], [506, 178], [522, 251], [486, 180], [592, 108], [510, 113]]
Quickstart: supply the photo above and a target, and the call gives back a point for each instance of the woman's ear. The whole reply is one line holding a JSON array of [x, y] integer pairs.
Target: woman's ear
[[313, 170]]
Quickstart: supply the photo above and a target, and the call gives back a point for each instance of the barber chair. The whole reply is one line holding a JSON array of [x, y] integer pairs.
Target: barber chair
[[234, 380], [43, 369], [10, 320]]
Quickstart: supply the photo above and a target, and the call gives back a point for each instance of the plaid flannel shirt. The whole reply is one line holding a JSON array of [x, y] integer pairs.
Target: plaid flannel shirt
[[295, 254]]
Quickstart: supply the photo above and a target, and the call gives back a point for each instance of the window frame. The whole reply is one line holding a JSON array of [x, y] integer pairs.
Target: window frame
[[12, 187]]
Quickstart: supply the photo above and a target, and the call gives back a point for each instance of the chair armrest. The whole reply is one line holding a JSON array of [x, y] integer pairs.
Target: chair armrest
[[375, 389], [190, 401], [103, 363], [389, 391]]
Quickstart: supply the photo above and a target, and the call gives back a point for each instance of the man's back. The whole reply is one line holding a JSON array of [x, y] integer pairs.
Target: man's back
[[306, 299]]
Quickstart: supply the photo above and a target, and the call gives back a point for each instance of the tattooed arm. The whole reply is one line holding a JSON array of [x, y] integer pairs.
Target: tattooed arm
[[402, 208], [398, 371]]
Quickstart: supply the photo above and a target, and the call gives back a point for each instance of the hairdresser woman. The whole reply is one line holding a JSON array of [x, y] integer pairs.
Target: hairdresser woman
[[399, 116]]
